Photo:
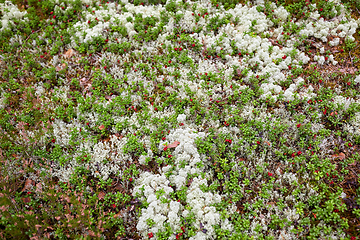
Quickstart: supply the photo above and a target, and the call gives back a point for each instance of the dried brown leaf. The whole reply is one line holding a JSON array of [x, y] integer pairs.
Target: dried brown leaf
[[173, 145], [26, 200], [67, 199], [38, 188], [83, 82], [69, 53], [91, 233], [118, 215], [101, 195], [28, 184], [341, 156]]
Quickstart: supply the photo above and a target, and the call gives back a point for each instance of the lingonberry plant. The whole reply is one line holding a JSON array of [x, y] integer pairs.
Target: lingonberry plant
[[179, 119]]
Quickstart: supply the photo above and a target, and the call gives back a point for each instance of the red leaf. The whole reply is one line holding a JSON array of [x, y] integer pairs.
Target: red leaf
[[101, 127]]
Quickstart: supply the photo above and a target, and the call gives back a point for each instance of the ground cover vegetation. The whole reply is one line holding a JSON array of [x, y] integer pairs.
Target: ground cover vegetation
[[179, 119]]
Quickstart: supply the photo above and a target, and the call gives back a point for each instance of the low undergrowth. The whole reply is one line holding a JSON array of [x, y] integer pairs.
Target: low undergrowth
[[82, 123]]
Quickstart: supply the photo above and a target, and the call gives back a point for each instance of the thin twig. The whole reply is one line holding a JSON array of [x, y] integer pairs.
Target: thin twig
[[357, 10], [352, 64], [315, 20], [354, 172], [350, 55], [28, 38]]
